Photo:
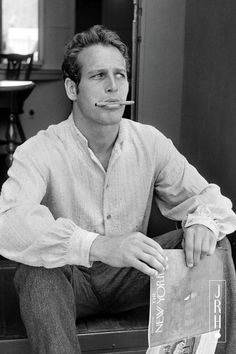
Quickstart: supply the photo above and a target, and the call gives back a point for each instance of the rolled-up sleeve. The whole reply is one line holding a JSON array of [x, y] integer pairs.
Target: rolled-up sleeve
[[29, 233], [183, 194]]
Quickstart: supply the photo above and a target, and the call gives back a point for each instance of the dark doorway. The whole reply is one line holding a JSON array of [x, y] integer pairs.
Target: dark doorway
[[113, 14]]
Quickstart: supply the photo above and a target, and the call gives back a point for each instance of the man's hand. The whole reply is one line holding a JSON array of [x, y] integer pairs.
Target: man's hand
[[198, 242], [134, 250]]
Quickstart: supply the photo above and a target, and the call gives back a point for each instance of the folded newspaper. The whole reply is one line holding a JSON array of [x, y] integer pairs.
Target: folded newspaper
[[188, 306]]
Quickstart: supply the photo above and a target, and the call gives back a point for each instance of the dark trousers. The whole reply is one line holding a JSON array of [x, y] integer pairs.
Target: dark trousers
[[52, 299]]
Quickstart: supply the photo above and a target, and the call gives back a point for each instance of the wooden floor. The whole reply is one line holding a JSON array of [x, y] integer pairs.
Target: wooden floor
[[125, 333], [102, 344], [125, 342]]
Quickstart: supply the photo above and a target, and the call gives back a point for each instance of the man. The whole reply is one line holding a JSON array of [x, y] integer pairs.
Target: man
[[75, 208]]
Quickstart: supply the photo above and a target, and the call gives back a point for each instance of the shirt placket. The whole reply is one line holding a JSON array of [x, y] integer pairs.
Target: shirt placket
[[109, 185]]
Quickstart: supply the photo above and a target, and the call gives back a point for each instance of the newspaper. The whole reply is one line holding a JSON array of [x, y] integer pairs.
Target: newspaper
[[188, 306]]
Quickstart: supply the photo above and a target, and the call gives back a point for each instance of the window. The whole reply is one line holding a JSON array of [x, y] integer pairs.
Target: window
[[20, 27]]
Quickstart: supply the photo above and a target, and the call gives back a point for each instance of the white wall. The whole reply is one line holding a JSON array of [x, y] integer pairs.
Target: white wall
[[48, 100], [160, 70], [50, 104], [161, 65]]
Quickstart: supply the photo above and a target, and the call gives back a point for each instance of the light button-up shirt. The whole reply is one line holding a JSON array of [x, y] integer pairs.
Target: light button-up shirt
[[58, 197]]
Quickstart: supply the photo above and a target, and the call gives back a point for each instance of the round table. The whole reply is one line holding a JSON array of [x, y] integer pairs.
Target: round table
[[12, 97]]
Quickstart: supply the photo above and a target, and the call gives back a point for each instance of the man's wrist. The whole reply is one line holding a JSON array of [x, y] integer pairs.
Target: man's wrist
[[201, 216], [96, 249]]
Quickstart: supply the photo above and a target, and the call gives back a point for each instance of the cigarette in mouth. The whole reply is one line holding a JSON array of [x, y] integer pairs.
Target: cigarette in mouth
[[107, 103]]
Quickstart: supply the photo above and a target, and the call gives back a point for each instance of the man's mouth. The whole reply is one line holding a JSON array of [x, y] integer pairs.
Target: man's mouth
[[109, 103], [113, 103]]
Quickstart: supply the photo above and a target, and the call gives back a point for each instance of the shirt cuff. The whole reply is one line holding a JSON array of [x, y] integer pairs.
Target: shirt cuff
[[202, 216], [79, 247]]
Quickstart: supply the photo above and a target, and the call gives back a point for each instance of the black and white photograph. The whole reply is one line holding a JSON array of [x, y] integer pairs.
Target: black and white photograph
[[117, 176]]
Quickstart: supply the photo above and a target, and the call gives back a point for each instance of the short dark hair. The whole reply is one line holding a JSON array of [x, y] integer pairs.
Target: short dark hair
[[97, 34]]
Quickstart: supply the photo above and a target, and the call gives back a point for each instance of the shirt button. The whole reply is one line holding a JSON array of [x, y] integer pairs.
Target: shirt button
[[108, 216]]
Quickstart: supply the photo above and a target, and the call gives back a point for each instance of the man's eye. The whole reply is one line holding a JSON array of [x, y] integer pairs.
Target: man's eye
[[98, 76], [121, 75]]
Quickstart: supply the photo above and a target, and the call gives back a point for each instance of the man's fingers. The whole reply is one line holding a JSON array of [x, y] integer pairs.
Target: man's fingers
[[199, 241], [160, 257], [144, 268], [197, 249], [188, 247], [205, 248], [152, 262], [149, 241], [212, 246]]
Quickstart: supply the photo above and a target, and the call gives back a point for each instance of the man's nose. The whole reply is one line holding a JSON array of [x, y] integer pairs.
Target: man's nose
[[111, 85]]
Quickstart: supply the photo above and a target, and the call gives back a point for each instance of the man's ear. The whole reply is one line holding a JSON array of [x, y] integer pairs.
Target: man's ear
[[71, 89]]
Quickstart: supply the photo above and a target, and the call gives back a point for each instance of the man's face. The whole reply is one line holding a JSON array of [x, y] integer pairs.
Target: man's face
[[103, 77]]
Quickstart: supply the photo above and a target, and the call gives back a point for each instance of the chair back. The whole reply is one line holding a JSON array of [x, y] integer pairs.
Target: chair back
[[17, 64]]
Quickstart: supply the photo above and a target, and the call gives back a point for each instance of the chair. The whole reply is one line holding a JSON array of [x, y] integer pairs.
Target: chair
[[14, 92], [17, 64]]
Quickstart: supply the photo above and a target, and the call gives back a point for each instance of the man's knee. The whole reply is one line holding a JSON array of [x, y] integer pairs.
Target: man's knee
[[39, 279]]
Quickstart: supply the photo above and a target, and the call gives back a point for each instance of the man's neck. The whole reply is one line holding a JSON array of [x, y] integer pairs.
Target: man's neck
[[101, 139]]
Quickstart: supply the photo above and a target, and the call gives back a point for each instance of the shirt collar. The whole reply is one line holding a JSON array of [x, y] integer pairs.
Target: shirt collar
[[81, 138]]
